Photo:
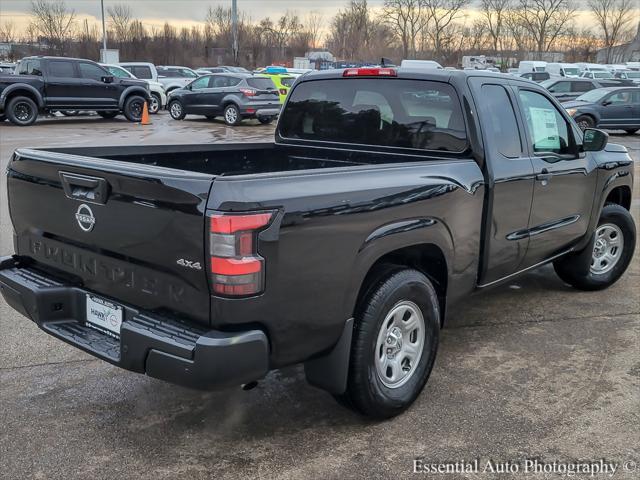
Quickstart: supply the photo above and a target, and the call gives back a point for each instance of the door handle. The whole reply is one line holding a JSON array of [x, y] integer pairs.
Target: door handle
[[544, 176]]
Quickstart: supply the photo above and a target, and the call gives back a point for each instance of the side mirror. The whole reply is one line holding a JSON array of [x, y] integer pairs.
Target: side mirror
[[107, 79], [594, 140], [606, 102]]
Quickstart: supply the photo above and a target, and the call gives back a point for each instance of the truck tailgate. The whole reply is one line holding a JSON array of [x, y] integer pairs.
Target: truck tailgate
[[130, 232]]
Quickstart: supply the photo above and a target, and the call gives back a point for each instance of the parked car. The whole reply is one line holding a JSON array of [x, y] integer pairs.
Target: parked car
[[612, 107], [536, 76], [628, 75], [173, 77], [233, 96], [565, 89], [381, 205], [591, 67], [141, 70], [529, 66], [563, 70], [158, 97], [7, 68], [282, 81], [208, 70], [596, 75], [46, 84], [421, 64]]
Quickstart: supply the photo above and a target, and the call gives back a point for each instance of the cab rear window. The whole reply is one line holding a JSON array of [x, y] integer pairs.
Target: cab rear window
[[400, 113]]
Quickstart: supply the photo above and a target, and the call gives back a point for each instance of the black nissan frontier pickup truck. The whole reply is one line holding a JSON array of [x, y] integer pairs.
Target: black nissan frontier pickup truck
[[388, 196]]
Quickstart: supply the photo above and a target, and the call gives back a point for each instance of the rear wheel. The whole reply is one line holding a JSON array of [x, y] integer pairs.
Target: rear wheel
[[613, 245], [631, 131], [585, 121], [265, 120], [394, 346], [22, 111], [154, 105], [133, 107], [109, 114], [176, 110], [232, 115]]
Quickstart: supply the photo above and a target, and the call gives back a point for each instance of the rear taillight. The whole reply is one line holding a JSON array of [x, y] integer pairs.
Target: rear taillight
[[283, 91], [248, 92], [236, 268]]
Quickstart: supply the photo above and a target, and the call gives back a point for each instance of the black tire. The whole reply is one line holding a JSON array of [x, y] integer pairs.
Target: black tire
[[133, 107], [176, 110], [366, 392], [585, 121], [155, 104], [232, 115], [631, 131], [578, 269], [110, 114], [22, 111], [265, 120], [3, 118]]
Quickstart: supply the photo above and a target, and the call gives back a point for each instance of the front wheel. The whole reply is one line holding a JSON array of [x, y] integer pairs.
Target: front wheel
[[613, 244], [232, 115], [176, 110], [22, 111], [396, 334], [585, 121], [154, 105], [133, 107]]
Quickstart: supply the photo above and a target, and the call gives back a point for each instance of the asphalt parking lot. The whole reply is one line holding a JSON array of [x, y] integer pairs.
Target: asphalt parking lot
[[533, 369]]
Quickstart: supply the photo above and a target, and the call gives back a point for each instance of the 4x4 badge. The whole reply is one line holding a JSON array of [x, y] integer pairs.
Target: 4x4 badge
[[85, 218]]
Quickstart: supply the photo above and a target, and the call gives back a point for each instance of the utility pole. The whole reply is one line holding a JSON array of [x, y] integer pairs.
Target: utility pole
[[234, 30], [104, 33]]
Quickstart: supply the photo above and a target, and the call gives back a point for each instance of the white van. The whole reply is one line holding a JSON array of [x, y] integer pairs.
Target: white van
[[420, 64], [563, 69], [527, 66], [591, 67]]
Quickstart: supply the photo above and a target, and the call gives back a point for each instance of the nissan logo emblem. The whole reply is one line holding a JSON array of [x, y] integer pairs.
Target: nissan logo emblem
[[85, 218]]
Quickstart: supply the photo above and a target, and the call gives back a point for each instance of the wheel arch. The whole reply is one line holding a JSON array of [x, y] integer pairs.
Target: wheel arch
[[620, 195], [132, 91], [23, 90]]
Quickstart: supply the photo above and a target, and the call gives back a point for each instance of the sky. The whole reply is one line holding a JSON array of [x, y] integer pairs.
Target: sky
[[185, 12]]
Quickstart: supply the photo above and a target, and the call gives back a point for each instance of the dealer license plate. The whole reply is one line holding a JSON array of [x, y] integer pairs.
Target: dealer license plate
[[104, 314]]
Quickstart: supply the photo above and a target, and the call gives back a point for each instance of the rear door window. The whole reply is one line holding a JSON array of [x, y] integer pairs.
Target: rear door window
[[61, 69], [400, 113], [503, 126], [141, 72], [582, 86]]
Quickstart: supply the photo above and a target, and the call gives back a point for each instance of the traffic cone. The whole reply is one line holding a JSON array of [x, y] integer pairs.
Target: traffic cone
[[145, 115]]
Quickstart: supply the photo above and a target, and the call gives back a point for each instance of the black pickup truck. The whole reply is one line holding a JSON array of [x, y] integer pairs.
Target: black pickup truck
[[46, 84], [388, 196]]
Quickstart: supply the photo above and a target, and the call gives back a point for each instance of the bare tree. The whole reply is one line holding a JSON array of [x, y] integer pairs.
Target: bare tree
[[120, 18], [7, 31], [442, 17], [613, 17], [54, 21], [351, 30], [545, 20], [313, 23], [407, 18], [493, 13]]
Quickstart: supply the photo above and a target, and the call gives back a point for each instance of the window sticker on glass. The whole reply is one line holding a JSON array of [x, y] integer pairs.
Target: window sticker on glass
[[545, 129]]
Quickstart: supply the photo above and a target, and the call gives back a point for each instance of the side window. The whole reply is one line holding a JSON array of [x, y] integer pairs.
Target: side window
[[548, 130], [141, 72], [561, 87], [504, 127], [635, 96], [35, 68], [620, 98], [581, 86], [202, 82], [61, 69], [91, 71], [22, 68]]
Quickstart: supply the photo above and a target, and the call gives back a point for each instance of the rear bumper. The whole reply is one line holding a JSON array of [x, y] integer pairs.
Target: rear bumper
[[165, 348], [269, 110]]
